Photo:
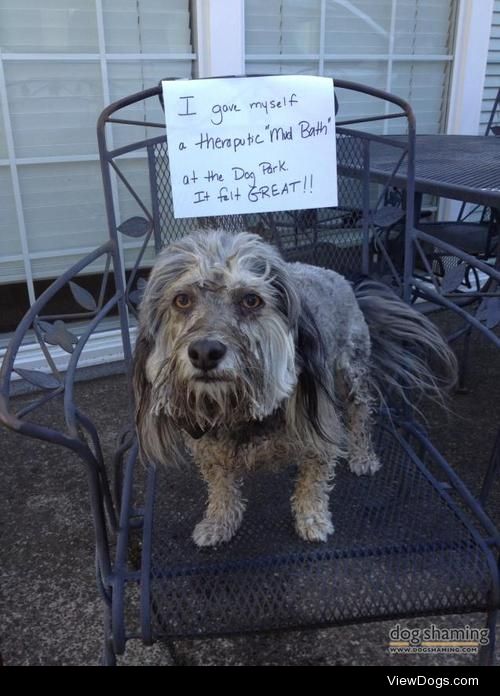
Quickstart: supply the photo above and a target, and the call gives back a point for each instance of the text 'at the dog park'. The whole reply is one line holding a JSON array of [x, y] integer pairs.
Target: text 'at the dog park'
[[253, 144]]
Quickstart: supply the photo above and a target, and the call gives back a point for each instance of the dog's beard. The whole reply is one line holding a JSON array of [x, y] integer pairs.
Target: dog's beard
[[198, 407], [221, 399]]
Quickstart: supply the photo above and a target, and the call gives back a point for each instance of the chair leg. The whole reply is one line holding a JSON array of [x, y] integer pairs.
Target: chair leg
[[173, 653], [492, 471], [108, 658], [487, 652], [462, 370]]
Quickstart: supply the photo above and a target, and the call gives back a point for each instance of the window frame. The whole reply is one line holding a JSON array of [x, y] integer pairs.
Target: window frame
[[218, 39]]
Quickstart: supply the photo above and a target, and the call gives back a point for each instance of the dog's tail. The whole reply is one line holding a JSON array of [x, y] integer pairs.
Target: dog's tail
[[410, 357]]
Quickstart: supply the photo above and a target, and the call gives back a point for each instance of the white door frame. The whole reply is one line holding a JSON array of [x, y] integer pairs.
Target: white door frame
[[219, 37], [472, 39]]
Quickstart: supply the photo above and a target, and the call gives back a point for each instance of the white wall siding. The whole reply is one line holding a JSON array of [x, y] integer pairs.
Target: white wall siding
[[492, 79]]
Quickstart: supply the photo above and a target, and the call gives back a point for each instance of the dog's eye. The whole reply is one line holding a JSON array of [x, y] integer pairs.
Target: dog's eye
[[182, 301], [251, 301]]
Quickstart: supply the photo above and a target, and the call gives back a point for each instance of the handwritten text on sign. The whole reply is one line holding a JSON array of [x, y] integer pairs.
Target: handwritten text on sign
[[255, 144]]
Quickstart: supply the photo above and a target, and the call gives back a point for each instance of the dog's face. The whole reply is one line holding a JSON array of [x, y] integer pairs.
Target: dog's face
[[218, 326]]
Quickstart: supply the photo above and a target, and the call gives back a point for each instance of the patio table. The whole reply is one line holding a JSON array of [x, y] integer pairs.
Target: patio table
[[461, 167]]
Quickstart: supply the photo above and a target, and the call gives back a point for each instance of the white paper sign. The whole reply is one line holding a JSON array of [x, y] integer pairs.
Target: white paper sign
[[253, 144]]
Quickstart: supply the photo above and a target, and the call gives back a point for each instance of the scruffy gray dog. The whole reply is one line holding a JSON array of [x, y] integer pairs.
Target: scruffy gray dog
[[243, 359]]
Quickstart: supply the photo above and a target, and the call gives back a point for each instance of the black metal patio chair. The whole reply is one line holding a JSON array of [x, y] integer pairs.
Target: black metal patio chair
[[409, 541], [467, 280]]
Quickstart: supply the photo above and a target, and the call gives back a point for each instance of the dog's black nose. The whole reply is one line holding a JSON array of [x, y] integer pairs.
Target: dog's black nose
[[206, 354]]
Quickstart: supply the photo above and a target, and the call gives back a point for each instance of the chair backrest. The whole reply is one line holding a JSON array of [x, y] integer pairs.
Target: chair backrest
[[346, 238]]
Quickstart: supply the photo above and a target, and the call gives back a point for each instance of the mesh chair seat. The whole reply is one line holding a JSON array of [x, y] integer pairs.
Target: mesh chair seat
[[401, 547]]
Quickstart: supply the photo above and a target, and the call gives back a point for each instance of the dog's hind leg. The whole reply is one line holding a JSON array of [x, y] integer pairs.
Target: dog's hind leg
[[225, 505], [313, 521], [352, 386]]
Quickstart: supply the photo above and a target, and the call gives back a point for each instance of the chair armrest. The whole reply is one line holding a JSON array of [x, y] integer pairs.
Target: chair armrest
[[51, 330], [77, 433], [413, 435]]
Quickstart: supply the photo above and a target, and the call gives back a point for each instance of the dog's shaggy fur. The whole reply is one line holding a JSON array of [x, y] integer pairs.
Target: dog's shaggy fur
[[244, 359]]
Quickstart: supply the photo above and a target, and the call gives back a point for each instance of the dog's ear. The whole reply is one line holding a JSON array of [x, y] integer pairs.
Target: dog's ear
[[159, 439], [311, 411], [314, 408], [287, 298]]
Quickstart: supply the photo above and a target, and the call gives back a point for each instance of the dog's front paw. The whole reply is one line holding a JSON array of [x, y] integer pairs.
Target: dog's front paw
[[364, 463], [314, 527], [210, 532]]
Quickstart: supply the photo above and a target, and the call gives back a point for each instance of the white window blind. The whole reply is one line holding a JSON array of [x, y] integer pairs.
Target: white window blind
[[61, 62], [492, 78], [402, 46]]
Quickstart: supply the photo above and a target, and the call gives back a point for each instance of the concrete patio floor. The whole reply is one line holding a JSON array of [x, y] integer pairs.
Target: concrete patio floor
[[49, 607]]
